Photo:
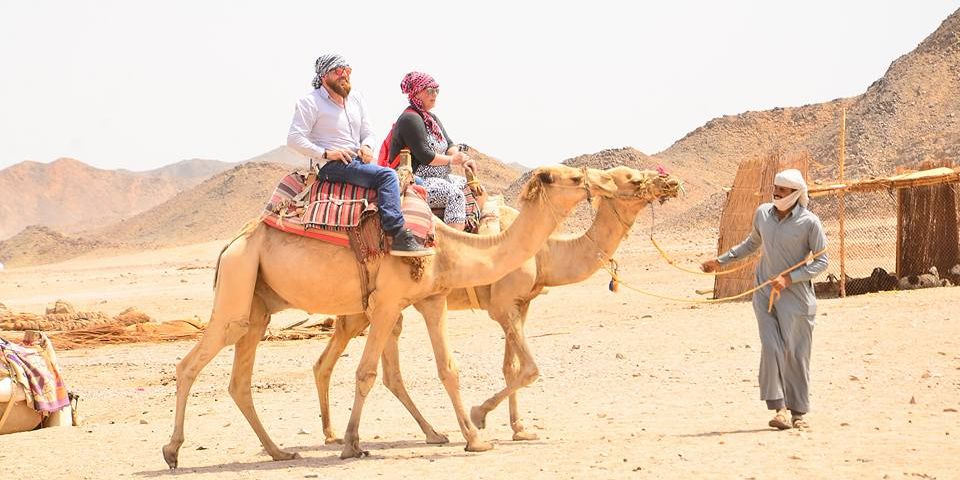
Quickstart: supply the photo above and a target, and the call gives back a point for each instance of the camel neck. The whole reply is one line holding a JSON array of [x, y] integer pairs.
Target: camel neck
[[465, 260], [572, 260]]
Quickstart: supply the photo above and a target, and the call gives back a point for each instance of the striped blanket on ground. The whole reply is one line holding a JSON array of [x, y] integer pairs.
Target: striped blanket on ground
[[35, 369], [339, 213]]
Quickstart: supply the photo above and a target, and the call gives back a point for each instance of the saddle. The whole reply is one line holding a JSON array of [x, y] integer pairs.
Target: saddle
[[343, 214], [31, 388]]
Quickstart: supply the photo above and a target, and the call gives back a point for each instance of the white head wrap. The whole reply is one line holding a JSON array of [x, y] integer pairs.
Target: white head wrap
[[792, 178]]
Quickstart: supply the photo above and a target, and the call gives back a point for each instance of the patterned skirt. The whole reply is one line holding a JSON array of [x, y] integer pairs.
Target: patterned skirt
[[445, 190]]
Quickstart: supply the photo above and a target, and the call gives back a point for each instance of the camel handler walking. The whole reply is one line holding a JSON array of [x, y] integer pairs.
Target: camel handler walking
[[788, 232]]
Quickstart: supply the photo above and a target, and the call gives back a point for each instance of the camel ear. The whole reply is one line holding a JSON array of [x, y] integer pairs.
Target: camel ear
[[546, 178]]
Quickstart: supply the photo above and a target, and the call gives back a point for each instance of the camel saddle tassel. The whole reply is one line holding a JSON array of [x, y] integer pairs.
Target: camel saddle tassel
[[614, 285]]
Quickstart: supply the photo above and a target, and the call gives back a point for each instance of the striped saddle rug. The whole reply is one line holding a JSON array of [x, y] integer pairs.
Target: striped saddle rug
[[342, 214]]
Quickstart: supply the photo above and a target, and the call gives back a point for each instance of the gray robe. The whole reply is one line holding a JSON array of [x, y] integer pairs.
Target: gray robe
[[786, 333]]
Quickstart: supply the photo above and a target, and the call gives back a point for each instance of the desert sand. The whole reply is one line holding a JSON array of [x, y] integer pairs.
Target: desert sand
[[630, 386]]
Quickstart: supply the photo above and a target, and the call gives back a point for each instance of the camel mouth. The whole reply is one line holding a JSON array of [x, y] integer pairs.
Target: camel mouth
[[668, 186], [674, 189]]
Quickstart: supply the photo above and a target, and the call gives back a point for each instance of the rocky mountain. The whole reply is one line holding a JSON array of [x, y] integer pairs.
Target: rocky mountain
[[38, 244], [904, 118], [72, 195], [196, 169], [214, 209]]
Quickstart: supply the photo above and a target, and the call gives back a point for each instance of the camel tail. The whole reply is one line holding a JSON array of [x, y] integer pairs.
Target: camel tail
[[246, 230]]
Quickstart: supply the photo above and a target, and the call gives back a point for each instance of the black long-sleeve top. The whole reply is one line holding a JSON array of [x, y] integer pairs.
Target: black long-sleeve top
[[411, 132]]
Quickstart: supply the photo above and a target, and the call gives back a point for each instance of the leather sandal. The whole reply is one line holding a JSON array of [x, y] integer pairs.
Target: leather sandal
[[779, 421]]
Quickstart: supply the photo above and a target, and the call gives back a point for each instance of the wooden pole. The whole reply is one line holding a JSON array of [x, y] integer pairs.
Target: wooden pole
[[901, 195], [840, 199]]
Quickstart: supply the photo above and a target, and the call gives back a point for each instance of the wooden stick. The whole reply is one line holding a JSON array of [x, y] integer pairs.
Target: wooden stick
[[901, 196], [840, 199]]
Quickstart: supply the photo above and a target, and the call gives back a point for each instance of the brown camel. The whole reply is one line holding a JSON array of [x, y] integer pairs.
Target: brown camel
[[265, 270], [559, 262]]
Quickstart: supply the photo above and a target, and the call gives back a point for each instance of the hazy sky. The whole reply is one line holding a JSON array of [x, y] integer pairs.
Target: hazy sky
[[137, 85]]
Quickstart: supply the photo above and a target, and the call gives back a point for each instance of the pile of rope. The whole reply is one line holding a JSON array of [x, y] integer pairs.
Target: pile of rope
[[62, 316], [136, 333], [90, 329]]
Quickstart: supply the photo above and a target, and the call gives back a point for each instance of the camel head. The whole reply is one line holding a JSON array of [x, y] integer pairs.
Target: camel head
[[564, 186], [646, 185]]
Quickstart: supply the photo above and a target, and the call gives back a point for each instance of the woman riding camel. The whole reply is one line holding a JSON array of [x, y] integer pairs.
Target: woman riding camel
[[434, 153]]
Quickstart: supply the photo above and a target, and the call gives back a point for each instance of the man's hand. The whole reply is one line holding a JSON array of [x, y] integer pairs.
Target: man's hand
[[341, 155], [710, 265], [366, 154], [781, 282]]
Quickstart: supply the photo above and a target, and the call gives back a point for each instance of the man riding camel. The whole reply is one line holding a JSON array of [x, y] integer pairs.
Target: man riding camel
[[331, 128]]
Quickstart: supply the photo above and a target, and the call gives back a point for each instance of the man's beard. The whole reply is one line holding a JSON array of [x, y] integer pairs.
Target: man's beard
[[342, 89]]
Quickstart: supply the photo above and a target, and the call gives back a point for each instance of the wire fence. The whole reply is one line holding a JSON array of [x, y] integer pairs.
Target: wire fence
[[891, 235], [870, 241]]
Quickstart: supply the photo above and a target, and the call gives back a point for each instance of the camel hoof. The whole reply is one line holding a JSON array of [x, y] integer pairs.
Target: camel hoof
[[478, 446], [170, 454], [352, 450], [435, 438], [523, 435], [478, 417], [332, 440], [282, 455]]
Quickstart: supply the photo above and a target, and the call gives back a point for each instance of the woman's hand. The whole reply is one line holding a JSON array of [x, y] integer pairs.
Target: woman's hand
[[470, 164], [458, 158]]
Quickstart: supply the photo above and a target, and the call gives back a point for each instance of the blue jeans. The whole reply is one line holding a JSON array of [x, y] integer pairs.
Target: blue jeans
[[370, 175]]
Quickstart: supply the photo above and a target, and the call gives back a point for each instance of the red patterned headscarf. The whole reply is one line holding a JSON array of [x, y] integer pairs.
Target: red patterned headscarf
[[414, 83]]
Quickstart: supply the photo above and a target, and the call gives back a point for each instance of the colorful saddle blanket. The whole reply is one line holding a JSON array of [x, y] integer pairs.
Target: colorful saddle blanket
[[341, 213], [35, 369]]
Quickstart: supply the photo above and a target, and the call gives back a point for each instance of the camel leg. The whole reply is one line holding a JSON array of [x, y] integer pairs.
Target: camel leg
[[381, 324], [516, 378], [394, 382], [346, 328], [244, 356], [434, 311], [229, 321], [213, 340], [519, 434], [511, 372]]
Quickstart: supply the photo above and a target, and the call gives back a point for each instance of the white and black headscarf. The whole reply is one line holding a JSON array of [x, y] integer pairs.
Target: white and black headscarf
[[324, 64]]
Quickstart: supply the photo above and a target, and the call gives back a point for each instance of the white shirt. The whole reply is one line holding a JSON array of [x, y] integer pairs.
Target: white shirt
[[319, 124]]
